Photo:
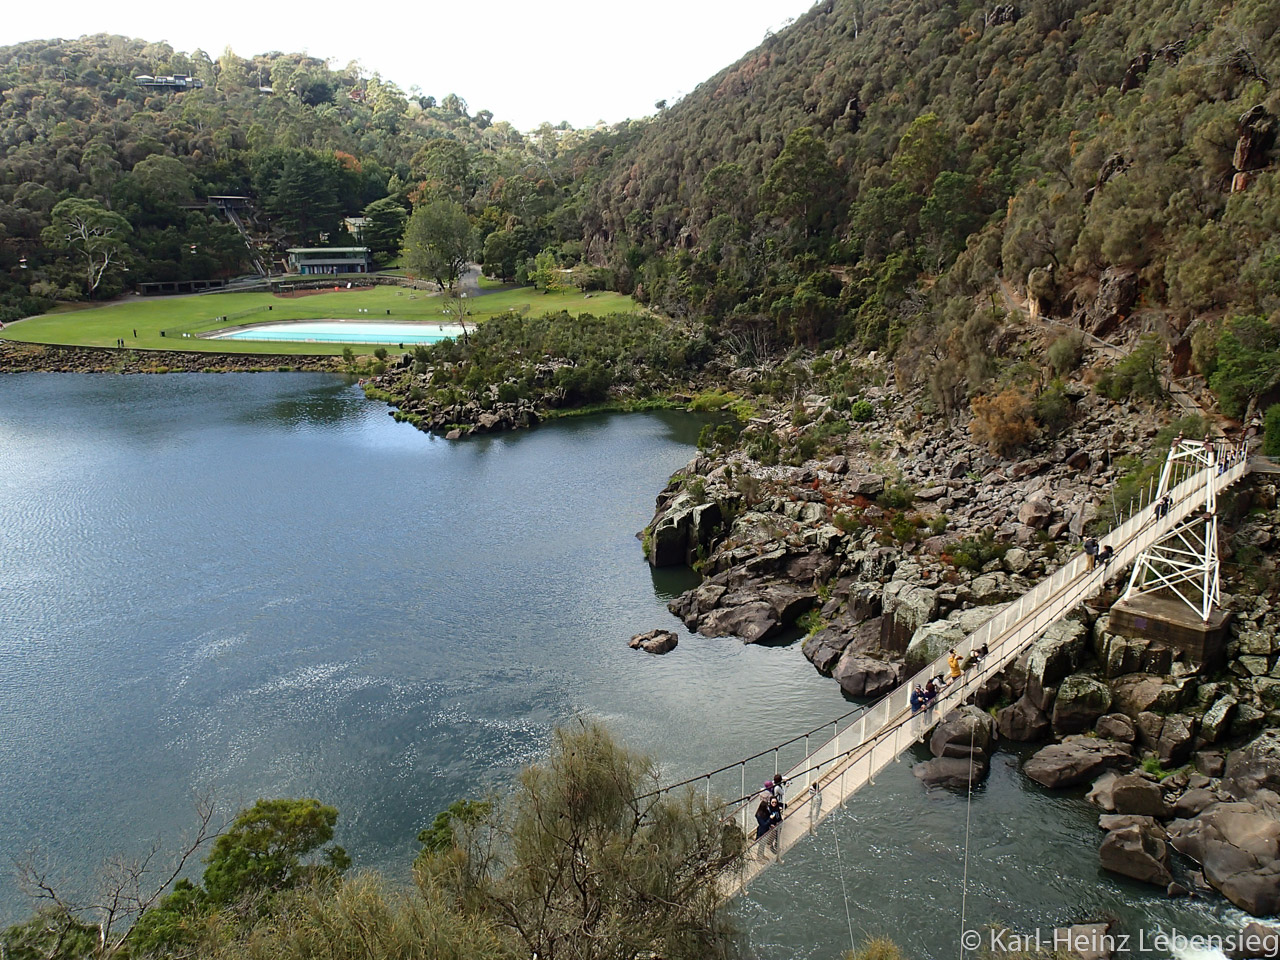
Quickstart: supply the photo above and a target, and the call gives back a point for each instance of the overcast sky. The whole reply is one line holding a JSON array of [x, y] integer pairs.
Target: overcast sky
[[525, 61]]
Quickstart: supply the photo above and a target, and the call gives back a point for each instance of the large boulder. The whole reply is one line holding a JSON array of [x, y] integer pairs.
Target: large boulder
[[1140, 693], [1035, 513], [1056, 654], [994, 587], [954, 772], [1135, 852], [1080, 702], [752, 622], [1100, 793], [1076, 760], [1116, 726], [1256, 941], [655, 641], [1135, 794], [1022, 721], [930, 642], [1254, 767], [862, 676], [963, 732], [1177, 737], [669, 535], [906, 607], [1238, 847], [1216, 719]]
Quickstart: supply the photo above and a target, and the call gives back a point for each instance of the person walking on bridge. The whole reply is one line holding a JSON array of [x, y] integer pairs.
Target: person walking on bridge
[[764, 820], [815, 801], [1090, 554], [775, 824], [953, 667]]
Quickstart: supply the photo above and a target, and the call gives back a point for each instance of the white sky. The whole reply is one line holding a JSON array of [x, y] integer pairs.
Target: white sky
[[527, 61]]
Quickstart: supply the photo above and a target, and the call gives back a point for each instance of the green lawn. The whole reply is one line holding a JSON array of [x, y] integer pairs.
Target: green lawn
[[102, 326]]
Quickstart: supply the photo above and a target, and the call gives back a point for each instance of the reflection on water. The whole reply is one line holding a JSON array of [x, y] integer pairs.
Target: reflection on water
[[263, 584]]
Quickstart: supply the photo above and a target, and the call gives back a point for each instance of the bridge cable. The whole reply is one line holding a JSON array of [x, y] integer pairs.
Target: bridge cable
[[968, 813], [835, 836]]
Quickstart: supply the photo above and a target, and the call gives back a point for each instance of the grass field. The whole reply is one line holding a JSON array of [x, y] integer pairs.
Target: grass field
[[102, 326]]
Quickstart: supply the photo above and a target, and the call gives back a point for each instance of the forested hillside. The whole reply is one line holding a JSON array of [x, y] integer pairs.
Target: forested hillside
[[865, 176], [310, 144], [862, 174]]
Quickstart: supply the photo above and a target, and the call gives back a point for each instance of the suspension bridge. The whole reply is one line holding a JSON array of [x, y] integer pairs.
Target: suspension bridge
[[1169, 539]]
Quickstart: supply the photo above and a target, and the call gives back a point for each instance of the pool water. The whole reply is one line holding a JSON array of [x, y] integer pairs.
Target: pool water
[[345, 331]]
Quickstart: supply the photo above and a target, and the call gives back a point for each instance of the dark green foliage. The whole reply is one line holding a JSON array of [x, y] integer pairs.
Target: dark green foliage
[[862, 411], [438, 242], [1065, 353], [263, 849], [1137, 376], [1053, 407], [50, 933], [385, 229], [896, 496], [1271, 439], [1248, 363], [973, 553], [560, 361], [440, 836]]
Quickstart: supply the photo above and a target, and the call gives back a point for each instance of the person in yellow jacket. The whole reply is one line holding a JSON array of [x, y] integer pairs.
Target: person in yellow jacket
[[953, 662]]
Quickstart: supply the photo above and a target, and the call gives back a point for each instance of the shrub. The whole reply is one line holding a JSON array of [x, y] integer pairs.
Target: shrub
[[862, 411], [1053, 407], [713, 401], [1066, 352], [848, 523], [1248, 363], [1137, 376], [380, 353], [1004, 422], [972, 553], [896, 496], [1271, 438]]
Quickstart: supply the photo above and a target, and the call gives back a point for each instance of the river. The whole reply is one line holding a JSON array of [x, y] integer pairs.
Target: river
[[260, 584]]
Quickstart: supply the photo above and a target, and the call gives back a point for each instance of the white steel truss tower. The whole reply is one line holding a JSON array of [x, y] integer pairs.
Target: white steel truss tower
[[1184, 562]]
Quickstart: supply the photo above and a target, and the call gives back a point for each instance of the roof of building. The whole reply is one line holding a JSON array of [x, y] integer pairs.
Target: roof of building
[[328, 250]]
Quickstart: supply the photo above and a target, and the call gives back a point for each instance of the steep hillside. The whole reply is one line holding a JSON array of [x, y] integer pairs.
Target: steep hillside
[[863, 168]]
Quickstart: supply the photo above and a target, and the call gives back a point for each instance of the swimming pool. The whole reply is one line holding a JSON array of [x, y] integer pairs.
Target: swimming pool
[[345, 331]]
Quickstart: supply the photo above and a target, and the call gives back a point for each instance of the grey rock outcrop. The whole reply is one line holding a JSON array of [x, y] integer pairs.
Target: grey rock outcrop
[[1238, 847], [1055, 655], [862, 676], [1081, 700], [1076, 760], [655, 641], [1136, 852], [1022, 721]]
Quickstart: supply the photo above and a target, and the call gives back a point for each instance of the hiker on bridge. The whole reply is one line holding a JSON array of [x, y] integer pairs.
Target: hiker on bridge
[[815, 801], [1105, 555], [780, 789], [918, 700], [953, 666], [1090, 553]]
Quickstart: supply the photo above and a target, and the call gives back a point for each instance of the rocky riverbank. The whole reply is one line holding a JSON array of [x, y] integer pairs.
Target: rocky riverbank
[[39, 358], [911, 534]]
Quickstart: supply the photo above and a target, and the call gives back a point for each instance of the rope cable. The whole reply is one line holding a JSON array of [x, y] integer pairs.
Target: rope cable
[[968, 814], [835, 836]]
